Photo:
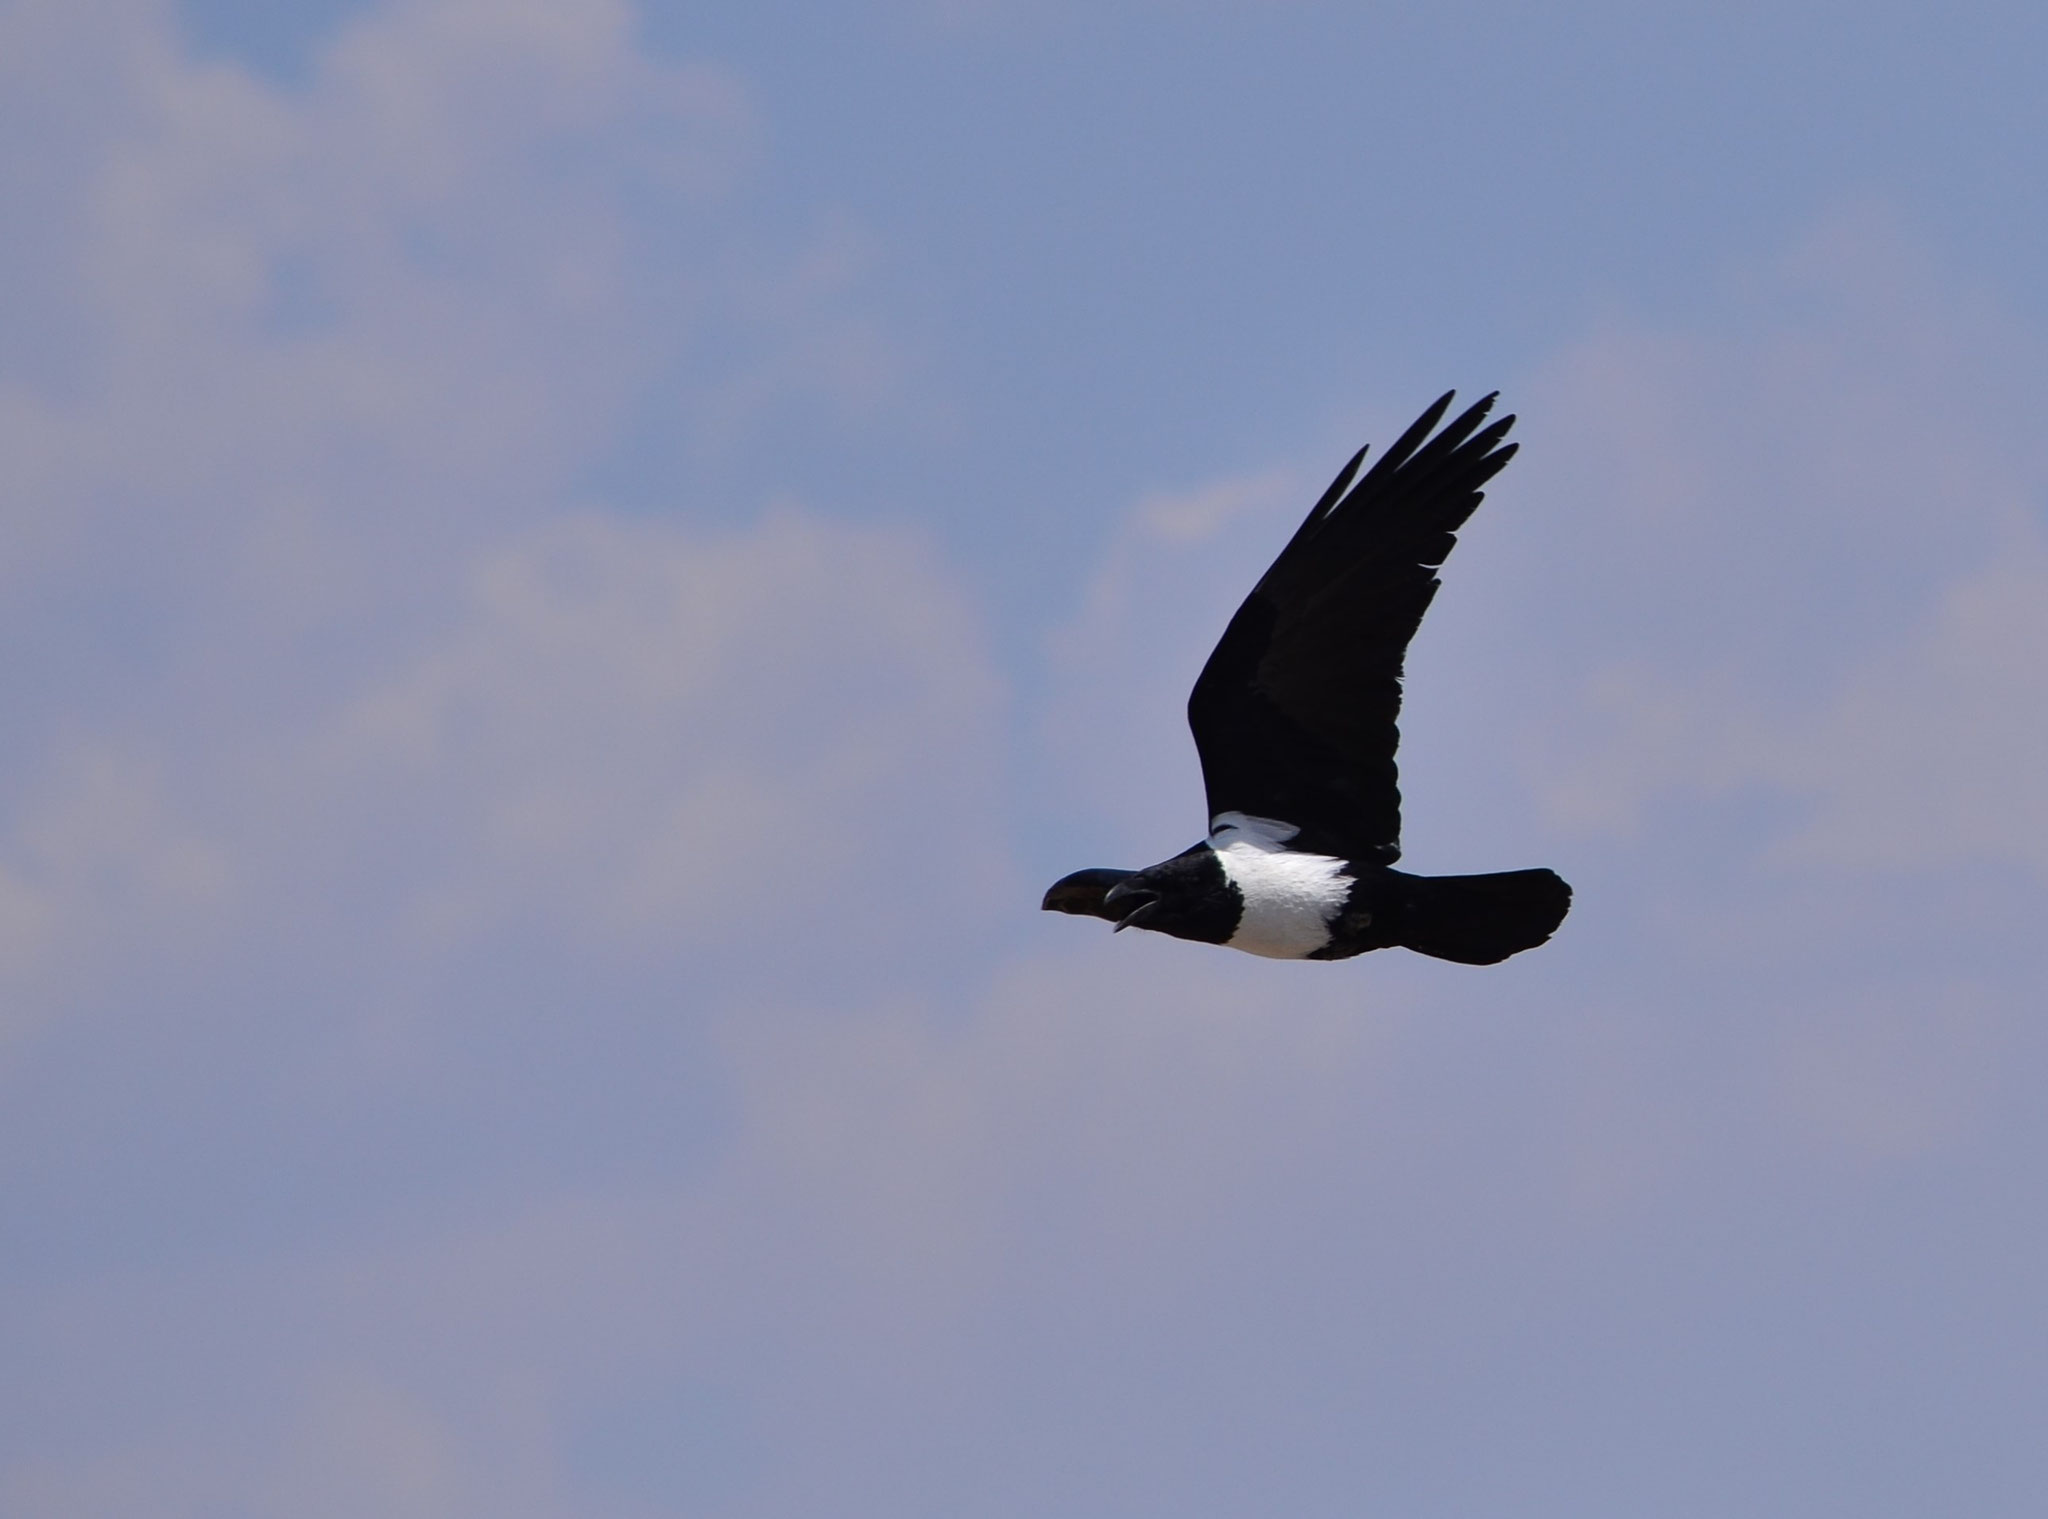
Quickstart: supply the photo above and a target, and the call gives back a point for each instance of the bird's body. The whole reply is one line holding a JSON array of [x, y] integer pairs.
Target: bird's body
[[1294, 717], [1290, 903]]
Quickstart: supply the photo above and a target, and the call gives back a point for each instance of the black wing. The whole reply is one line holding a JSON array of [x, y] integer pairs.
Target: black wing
[[1294, 713]]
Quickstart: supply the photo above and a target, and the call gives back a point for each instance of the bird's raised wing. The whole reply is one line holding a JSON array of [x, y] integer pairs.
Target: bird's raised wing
[[1294, 714]]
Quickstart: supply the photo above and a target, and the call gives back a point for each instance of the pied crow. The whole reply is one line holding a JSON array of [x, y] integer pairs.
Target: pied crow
[[1293, 717]]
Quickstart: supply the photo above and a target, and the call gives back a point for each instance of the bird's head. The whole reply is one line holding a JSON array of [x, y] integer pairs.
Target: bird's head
[[1186, 896]]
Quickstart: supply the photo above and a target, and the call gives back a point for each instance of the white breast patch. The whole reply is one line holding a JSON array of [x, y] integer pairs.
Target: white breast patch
[[1289, 898]]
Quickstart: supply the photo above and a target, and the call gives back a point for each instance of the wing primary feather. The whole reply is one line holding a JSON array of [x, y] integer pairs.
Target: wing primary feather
[[1411, 440], [1339, 485], [1331, 498], [1342, 490], [1447, 442], [1456, 472]]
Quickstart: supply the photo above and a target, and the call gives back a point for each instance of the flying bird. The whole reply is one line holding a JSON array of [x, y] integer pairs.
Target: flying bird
[[1294, 718]]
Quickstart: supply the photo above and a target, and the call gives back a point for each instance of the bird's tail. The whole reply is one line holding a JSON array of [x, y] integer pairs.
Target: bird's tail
[[1481, 920]]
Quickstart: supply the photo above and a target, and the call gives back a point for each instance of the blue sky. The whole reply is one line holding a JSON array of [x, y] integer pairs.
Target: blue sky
[[571, 570]]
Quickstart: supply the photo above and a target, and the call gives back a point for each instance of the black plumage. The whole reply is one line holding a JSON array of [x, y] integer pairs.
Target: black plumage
[[1295, 717], [1294, 714]]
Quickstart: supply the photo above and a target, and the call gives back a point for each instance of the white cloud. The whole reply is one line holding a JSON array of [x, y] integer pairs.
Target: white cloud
[[316, 348], [1931, 753], [1168, 581], [627, 738], [1937, 751], [105, 871], [650, 738], [328, 650], [1802, 562]]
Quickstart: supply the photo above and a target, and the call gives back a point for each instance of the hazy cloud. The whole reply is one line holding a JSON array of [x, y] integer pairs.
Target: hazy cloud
[[1837, 515]]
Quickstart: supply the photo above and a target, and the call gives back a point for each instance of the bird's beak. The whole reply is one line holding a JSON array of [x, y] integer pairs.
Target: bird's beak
[[1084, 892], [1129, 903]]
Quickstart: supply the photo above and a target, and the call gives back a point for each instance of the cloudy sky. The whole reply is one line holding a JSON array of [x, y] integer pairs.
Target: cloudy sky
[[569, 569]]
